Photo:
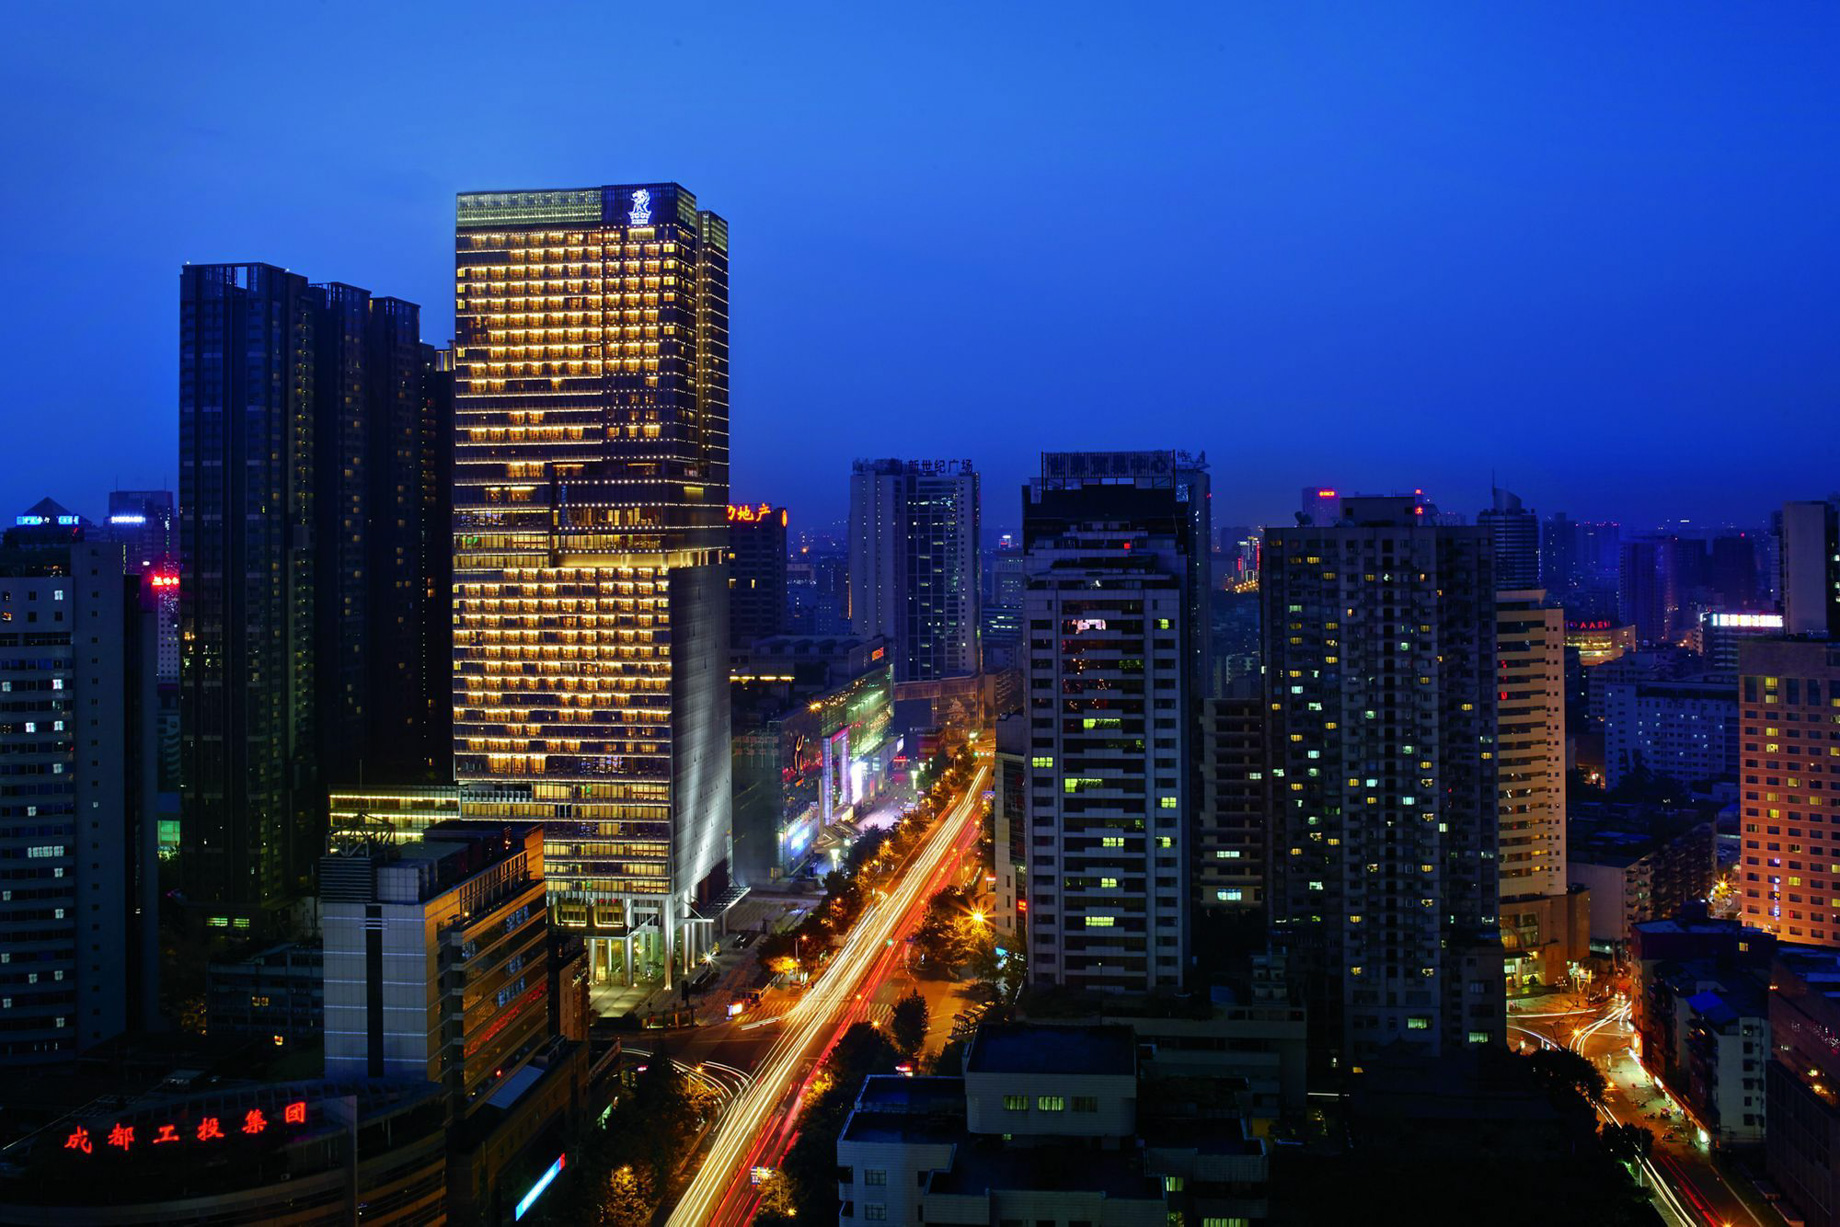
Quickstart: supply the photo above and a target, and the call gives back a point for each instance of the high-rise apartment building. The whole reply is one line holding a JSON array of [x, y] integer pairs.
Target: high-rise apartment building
[[1233, 815], [372, 502], [1808, 554], [1114, 542], [248, 753], [1530, 743], [1516, 532], [913, 541], [308, 436], [1381, 706], [77, 751], [1641, 590], [590, 540], [756, 573], [1788, 698]]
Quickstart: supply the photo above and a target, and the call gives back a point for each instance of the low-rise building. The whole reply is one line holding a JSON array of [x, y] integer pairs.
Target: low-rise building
[[1044, 1126], [302, 1153], [1684, 730], [1639, 863], [273, 992], [1699, 1007]]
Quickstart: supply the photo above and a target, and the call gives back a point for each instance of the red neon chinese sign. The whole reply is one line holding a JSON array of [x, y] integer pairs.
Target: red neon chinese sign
[[745, 514], [123, 1136]]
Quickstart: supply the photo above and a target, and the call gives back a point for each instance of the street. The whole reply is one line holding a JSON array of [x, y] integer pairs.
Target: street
[[1688, 1187], [759, 1125]]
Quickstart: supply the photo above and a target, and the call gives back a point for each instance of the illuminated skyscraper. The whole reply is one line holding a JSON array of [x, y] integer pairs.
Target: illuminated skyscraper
[[591, 603]]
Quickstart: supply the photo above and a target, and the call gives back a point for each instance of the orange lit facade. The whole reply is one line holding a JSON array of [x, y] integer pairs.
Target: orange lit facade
[[590, 524], [1789, 743]]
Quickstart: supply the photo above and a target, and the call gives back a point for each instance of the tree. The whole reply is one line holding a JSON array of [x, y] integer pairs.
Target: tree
[[909, 1024], [661, 1100], [1629, 1143], [629, 1199], [1566, 1072]]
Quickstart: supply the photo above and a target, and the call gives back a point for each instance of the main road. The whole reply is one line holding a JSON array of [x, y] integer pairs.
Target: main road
[[758, 1126]]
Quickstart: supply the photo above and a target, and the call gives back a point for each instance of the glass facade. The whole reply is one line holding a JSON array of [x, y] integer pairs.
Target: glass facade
[[590, 527]]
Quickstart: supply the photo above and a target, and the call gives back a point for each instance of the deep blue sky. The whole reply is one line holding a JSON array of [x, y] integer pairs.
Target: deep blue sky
[[1591, 248]]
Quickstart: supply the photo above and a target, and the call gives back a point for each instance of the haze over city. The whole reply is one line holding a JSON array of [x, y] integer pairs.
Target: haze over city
[[1586, 250]]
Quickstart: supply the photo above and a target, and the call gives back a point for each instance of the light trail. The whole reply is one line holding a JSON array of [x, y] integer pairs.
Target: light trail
[[746, 1125]]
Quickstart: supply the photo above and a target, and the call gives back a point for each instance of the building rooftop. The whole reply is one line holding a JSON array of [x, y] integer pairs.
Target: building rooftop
[[991, 1167], [1022, 1048]]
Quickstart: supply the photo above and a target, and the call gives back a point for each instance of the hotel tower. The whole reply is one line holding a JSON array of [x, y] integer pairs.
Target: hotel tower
[[590, 583]]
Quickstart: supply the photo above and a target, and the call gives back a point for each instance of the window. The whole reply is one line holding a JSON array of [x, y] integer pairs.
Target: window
[[1478, 1037], [875, 1212], [1051, 1103], [875, 1176], [1015, 1103], [1042, 760], [1101, 922], [1172, 1184], [1166, 802], [1231, 894], [1085, 1103]]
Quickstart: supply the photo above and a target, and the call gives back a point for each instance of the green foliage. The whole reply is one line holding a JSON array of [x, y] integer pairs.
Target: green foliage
[[1565, 1073], [909, 1024], [811, 1165], [1629, 1143]]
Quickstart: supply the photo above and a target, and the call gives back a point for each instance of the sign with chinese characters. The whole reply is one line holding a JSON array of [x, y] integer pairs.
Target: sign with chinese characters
[[206, 1131], [641, 212], [745, 514], [941, 468]]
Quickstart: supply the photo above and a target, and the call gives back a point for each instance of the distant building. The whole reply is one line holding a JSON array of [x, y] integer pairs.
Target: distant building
[[913, 563], [1721, 631], [1639, 864], [1788, 693], [756, 573], [1683, 730], [1359, 672], [77, 756], [1808, 552], [1516, 533], [1641, 594], [1599, 641]]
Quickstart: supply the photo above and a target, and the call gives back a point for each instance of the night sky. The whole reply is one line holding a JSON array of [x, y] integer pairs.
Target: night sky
[[1382, 246]]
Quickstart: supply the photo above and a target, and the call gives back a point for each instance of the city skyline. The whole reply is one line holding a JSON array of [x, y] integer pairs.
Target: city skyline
[[1608, 240]]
